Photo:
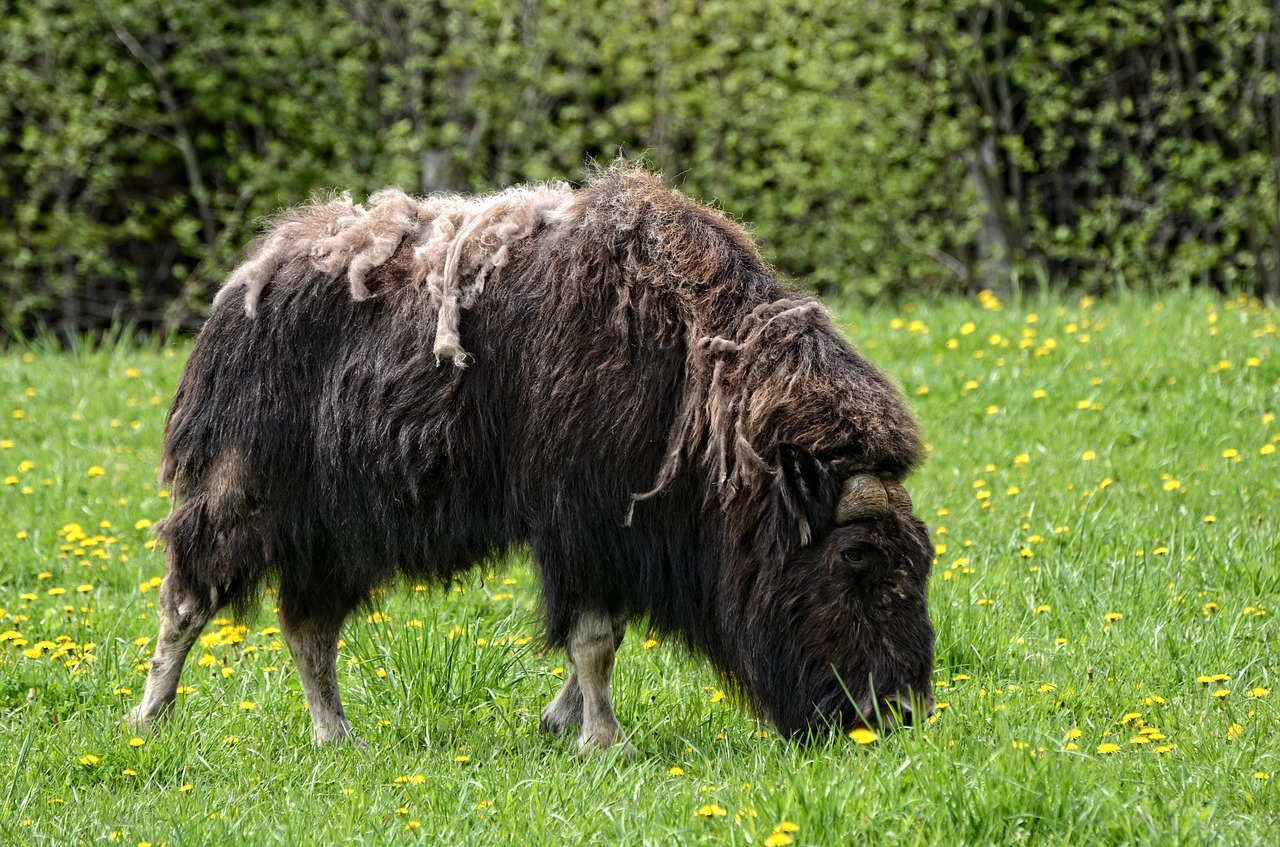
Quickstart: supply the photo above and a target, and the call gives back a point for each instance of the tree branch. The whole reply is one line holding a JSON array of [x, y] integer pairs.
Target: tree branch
[[182, 138]]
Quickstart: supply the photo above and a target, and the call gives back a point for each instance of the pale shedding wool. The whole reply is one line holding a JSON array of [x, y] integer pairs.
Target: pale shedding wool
[[457, 243]]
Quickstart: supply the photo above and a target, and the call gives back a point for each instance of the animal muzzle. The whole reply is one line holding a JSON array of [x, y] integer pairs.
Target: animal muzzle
[[865, 497], [896, 710]]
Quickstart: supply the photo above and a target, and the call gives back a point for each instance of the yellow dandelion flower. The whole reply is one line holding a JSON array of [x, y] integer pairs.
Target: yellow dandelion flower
[[1088, 456], [136, 742], [89, 759], [1210, 518], [1108, 748], [95, 471], [710, 810], [777, 839], [412, 825], [1221, 693], [462, 759], [1112, 617], [1258, 692], [717, 696], [1261, 776], [1234, 731], [675, 770], [186, 789], [1266, 449], [248, 705], [864, 736]]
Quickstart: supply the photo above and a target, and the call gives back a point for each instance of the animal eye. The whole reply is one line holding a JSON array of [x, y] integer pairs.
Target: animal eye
[[854, 555]]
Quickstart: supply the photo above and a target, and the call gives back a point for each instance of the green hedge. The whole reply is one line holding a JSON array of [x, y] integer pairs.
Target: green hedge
[[1132, 143], [874, 147]]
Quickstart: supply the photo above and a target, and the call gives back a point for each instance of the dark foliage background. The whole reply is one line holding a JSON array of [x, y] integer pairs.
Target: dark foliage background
[[875, 147]]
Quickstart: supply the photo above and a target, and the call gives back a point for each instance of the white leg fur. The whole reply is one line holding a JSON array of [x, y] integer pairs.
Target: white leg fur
[[584, 700], [314, 646], [181, 622]]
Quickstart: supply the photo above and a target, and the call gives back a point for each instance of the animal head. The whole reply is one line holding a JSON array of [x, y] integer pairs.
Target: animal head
[[851, 624]]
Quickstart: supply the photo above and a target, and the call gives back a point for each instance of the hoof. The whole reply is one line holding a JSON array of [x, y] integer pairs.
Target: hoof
[[141, 720], [557, 719], [343, 738], [613, 743]]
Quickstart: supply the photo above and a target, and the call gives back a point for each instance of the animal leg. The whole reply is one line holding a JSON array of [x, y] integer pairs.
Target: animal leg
[[593, 644], [313, 642], [565, 710], [183, 615]]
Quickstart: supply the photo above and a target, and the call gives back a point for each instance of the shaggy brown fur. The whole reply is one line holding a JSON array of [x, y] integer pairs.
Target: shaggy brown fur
[[667, 428]]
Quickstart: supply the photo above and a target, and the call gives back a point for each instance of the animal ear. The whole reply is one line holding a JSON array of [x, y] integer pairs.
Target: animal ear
[[801, 471]]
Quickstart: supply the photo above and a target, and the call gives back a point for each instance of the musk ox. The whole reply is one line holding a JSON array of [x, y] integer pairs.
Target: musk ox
[[612, 375]]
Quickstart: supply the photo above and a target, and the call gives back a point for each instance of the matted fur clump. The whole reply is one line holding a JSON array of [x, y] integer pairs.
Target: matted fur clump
[[456, 241], [675, 436]]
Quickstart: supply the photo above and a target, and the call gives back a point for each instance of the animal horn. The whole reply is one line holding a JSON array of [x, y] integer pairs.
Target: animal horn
[[862, 497], [899, 499]]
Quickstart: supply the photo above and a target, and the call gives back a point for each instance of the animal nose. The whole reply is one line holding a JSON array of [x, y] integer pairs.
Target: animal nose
[[904, 710]]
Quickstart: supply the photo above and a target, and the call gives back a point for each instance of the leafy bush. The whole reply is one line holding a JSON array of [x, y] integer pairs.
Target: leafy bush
[[874, 147], [1131, 143]]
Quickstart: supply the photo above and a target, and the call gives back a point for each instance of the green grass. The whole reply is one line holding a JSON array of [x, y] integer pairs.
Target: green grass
[[1102, 485]]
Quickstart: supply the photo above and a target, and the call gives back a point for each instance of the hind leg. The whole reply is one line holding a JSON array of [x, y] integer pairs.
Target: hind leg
[[584, 700], [312, 637], [183, 615]]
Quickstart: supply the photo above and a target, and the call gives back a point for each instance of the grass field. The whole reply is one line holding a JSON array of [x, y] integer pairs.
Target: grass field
[[1103, 491]]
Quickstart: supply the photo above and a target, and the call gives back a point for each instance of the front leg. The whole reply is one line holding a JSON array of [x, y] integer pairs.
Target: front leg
[[584, 700]]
